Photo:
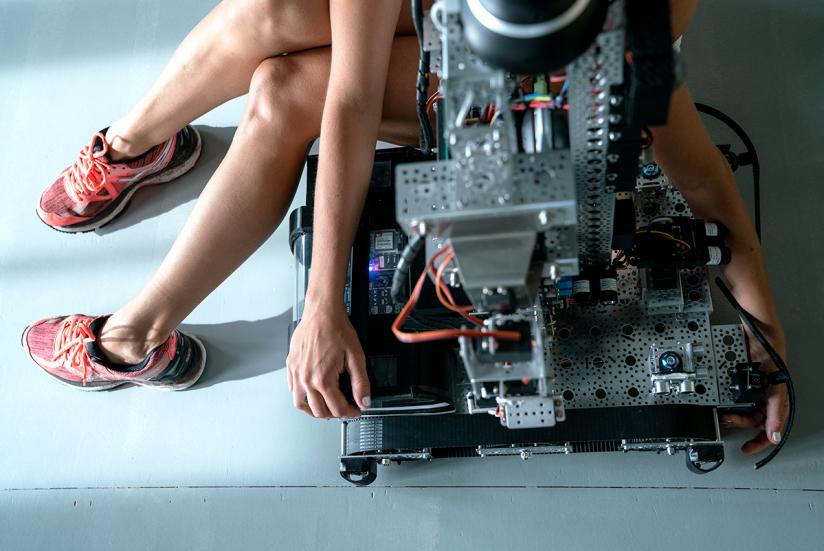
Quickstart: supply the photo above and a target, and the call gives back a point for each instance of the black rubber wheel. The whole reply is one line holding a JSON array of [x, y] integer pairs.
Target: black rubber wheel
[[360, 471]]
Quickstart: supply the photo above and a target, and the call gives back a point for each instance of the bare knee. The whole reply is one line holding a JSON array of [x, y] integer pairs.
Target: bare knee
[[278, 98]]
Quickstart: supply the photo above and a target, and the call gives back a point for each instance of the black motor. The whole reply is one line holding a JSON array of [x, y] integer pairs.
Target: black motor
[[530, 36]]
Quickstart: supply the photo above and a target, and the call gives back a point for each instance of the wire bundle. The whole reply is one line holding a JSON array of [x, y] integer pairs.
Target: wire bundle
[[422, 84], [448, 301]]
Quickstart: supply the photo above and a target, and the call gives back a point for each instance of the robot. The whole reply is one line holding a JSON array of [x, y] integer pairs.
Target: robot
[[529, 281]]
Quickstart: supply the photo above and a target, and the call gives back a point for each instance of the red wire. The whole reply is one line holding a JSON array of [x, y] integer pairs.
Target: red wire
[[440, 334], [445, 296], [431, 101]]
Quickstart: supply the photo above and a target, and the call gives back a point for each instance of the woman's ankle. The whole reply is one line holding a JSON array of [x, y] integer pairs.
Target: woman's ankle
[[128, 344], [123, 145]]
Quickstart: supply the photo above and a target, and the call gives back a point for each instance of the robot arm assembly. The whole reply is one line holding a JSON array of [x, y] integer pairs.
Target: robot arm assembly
[[526, 198], [533, 263]]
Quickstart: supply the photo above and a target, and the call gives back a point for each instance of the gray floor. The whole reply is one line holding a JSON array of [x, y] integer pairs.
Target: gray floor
[[231, 464]]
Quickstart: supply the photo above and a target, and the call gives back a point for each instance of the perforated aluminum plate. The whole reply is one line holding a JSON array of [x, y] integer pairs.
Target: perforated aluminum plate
[[438, 191], [730, 349], [658, 197], [600, 355]]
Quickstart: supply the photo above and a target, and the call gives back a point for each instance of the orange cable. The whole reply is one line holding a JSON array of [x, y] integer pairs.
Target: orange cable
[[440, 334]]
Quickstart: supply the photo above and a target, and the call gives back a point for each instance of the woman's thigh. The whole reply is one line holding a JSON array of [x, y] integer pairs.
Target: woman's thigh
[[290, 26], [309, 70]]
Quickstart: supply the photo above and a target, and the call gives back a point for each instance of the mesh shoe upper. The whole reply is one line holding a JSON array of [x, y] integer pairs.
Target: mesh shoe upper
[[66, 347], [94, 181]]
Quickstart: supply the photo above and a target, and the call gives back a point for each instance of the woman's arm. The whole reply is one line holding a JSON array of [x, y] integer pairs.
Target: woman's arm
[[688, 156], [325, 344]]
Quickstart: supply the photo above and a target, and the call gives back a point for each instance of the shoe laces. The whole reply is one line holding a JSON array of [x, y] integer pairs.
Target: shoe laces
[[88, 176], [70, 346]]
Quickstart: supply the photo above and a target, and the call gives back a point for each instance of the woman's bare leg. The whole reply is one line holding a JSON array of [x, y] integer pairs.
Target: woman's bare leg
[[248, 195], [216, 61]]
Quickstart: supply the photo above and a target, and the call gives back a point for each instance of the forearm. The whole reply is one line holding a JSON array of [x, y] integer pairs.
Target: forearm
[[687, 155], [347, 151], [349, 129]]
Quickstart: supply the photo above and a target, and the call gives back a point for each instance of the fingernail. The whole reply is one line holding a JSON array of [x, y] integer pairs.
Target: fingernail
[[776, 437], [367, 401]]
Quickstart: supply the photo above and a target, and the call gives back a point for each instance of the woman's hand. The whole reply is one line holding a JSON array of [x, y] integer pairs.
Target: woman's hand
[[323, 347], [770, 414]]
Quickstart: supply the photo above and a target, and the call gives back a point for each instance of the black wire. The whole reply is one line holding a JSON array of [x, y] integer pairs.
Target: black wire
[[784, 373], [422, 84], [748, 143], [401, 278]]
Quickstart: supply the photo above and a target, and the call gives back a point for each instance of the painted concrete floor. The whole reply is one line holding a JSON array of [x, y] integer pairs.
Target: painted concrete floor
[[230, 464]]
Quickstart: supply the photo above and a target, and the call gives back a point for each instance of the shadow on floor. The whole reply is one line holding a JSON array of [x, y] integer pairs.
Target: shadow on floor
[[242, 349], [156, 200]]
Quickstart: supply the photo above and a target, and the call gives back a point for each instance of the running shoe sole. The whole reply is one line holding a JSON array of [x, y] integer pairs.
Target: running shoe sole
[[119, 205], [108, 385]]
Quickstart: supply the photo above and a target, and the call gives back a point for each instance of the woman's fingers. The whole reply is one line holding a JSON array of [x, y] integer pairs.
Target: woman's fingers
[[356, 366], [770, 418], [778, 409], [757, 444], [746, 421], [337, 403], [299, 400], [317, 404]]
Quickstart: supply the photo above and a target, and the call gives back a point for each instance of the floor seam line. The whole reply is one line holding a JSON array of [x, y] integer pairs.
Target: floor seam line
[[405, 487]]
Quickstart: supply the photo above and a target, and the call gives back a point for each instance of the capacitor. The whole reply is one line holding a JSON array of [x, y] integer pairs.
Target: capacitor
[[660, 386], [687, 386], [608, 287], [581, 290], [544, 130]]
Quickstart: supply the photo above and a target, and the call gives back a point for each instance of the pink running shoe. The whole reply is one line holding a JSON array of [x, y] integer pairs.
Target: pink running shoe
[[95, 190], [66, 348]]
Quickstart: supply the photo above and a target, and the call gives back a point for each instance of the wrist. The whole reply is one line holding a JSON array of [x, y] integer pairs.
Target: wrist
[[323, 299]]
